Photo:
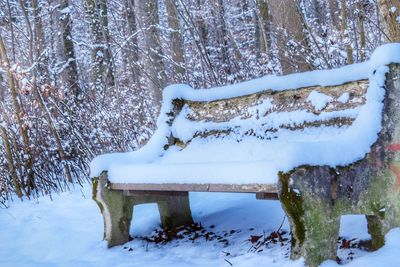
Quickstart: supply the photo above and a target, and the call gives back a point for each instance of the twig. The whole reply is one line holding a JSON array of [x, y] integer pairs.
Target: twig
[[228, 262], [280, 227]]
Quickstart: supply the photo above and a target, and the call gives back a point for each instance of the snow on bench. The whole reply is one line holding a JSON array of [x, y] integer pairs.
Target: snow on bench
[[204, 137], [224, 142], [256, 136]]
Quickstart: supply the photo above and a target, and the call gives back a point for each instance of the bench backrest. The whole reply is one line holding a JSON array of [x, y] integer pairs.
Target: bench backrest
[[264, 113]]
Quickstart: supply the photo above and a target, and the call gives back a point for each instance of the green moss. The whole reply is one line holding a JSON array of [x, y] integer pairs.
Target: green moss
[[293, 205], [95, 183], [376, 232], [377, 196], [322, 227]]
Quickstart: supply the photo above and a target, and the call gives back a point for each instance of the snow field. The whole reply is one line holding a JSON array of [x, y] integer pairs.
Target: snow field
[[68, 232]]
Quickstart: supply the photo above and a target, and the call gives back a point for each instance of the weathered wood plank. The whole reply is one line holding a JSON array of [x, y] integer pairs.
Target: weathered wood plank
[[283, 101], [234, 188]]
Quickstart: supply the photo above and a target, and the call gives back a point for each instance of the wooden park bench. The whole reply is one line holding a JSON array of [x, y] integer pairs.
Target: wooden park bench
[[325, 143]]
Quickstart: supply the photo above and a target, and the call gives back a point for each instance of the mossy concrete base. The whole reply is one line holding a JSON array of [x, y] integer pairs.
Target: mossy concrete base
[[175, 210], [116, 207], [375, 229], [314, 197], [116, 210]]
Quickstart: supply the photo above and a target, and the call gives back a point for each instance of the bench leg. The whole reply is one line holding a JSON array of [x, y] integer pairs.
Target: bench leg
[[375, 229], [313, 222], [175, 210], [380, 224], [322, 233], [116, 210], [315, 233]]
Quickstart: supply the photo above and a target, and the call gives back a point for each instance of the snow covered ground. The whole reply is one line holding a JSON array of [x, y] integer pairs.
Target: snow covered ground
[[68, 232]]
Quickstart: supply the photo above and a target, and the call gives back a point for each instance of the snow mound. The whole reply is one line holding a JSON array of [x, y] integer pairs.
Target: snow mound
[[255, 160], [319, 100], [344, 98]]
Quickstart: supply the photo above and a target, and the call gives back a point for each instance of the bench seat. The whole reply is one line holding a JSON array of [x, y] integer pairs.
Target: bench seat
[[227, 161]]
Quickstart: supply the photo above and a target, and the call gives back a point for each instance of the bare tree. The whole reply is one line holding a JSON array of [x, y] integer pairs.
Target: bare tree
[[334, 13], [147, 14], [69, 70], [345, 34], [389, 11], [361, 29], [101, 69], [39, 42], [178, 59], [290, 33], [265, 26], [222, 36], [2, 85], [131, 51], [103, 13]]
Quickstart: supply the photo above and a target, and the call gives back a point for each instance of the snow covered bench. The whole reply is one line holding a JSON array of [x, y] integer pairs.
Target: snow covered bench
[[324, 142]]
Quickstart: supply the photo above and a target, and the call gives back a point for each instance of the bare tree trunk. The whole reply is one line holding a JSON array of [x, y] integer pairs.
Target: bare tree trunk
[[147, 14], [319, 16], [265, 26], [290, 33], [41, 60], [11, 26], [10, 161], [97, 55], [131, 51], [103, 10], [29, 29], [345, 34], [200, 23], [334, 13], [131, 57], [2, 85], [361, 29], [176, 42], [222, 36], [257, 32], [70, 71], [101, 69], [389, 12]]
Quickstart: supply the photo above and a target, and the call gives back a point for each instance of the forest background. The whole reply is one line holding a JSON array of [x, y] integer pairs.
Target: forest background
[[83, 77]]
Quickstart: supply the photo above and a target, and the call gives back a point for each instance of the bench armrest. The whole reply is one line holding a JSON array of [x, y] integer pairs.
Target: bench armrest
[[157, 144]]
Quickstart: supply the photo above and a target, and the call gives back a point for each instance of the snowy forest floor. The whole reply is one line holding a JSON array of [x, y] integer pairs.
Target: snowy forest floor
[[68, 232]]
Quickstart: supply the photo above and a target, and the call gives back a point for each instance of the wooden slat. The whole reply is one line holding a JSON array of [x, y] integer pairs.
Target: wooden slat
[[233, 188], [154, 193], [224, 110]]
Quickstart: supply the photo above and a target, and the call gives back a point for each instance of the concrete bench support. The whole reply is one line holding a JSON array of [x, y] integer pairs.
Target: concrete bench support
[[175, 211], [314, 197], [116, 207], [116, 210]]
